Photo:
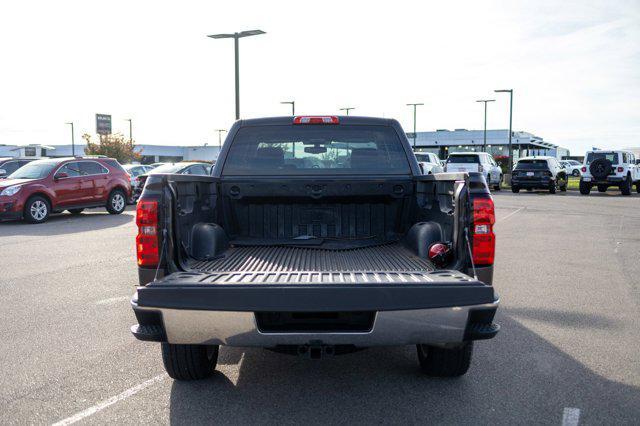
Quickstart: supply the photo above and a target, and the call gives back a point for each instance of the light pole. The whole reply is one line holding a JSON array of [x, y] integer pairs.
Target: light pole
[[347, 109], [293, 106], [510, 91], [130, 129], [220, 137], [414, 123], [484, 144], [73, 141], [236, 37]]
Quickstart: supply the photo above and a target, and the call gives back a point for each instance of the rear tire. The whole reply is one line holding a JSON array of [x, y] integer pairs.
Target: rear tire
[[515, 189], [625, 188], [75, 211], [576, 173], [445, 362], [585, 188], [638, 187], [36, 209], [602, 188], [552, 187], [117, 201], [189, 362]]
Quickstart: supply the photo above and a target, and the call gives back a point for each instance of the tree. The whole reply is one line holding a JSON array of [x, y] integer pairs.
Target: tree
[[113, 146]]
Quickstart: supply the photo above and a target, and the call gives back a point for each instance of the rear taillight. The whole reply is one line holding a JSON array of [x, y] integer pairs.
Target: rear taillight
[[584, 170], [620, 169], [484, 240], [318, 119], [147, 238]]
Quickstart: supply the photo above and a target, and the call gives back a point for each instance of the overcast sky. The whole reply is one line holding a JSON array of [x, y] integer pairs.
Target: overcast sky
[[574, 66]]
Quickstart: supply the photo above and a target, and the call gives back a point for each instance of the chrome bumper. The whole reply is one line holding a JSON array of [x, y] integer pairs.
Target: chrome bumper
[[232, 328]]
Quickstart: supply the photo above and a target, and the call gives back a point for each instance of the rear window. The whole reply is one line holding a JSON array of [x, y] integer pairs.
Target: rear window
[[316, 150], [92, 168], [611, 156], [532, 164], [468, 159]]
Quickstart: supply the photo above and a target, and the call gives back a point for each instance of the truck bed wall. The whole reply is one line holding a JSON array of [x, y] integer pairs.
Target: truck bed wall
[[377, 210]]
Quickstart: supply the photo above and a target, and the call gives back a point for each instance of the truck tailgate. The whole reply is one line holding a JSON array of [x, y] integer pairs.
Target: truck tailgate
[[302, 291], [275, 308]]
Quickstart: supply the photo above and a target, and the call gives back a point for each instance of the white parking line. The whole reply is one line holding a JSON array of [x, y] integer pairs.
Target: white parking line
[[107, 402], [113, 300], [570, 416], [509, 215]]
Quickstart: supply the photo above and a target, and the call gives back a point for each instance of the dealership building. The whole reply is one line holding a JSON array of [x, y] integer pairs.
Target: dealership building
[[442, 142]]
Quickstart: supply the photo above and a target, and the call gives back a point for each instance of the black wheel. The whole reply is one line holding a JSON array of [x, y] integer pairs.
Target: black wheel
[[117, 202], [638, 187], [563, 188], [585, 188], [75, 211], [575, 172], [189, 362], [37, 209], [602, 188], [552, 187], [515, 189], [625, 188], [441, 362]]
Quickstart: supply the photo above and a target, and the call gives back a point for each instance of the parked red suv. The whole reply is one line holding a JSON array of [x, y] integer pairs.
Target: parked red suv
[[53, 185]]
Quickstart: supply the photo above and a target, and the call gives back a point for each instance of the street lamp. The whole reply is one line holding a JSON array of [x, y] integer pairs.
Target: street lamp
[[73, 142], [484, 144], [414, 123], [236, 37], [130, 129], [220, 137], [293, 106], [347, 109], [510, 91]]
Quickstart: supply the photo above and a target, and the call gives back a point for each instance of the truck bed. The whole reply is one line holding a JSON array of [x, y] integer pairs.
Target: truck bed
[[391, 257]]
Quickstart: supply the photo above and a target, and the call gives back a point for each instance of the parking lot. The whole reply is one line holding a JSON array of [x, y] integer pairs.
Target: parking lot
[[567, 270]]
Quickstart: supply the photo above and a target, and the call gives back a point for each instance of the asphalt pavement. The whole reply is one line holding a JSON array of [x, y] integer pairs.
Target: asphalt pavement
[[567, 270]]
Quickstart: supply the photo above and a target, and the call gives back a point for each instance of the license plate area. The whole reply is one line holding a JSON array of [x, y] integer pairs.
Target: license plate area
[[315, 322]]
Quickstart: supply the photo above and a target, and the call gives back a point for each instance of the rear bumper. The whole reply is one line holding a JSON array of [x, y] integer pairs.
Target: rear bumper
[[543, 182], [390, 328], [411, 313], [610, 180]]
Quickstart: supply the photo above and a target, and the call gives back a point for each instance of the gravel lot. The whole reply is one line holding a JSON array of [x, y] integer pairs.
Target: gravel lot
[[567, 270]]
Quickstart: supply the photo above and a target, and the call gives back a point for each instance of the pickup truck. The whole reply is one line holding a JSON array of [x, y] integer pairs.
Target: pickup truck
[[315, 236]]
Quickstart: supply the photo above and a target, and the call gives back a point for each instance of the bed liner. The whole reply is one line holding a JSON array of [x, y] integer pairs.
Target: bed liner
[[390, 257]]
